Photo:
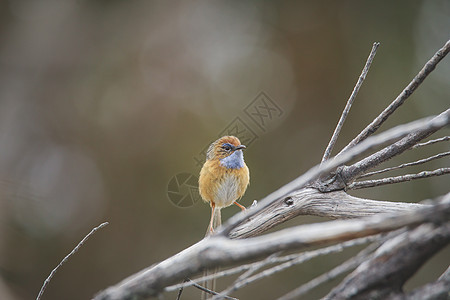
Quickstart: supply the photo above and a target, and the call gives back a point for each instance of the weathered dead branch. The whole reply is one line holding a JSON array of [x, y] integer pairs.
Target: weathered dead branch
[[397, 260], [321, 191], [218, 250]]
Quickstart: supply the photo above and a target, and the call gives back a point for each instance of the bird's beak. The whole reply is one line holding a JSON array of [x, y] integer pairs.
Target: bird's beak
[[240, 147]]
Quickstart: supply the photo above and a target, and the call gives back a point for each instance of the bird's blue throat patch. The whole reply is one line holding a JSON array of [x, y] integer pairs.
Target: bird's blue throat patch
[[234, 161]]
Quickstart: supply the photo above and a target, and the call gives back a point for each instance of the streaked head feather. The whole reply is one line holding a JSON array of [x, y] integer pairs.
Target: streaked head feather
[[215, 150]]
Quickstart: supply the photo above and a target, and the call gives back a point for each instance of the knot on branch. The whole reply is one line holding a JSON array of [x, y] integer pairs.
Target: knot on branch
[[288, 201], [336, 181]]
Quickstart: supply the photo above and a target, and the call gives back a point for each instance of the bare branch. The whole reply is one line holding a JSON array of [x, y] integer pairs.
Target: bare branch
[[272, 211], [294, 260], [330, 275], [414, 163], [65, 259], [350, 100], [205, 254], [412, 86], [402, 256], [435, 290], [218, 250], [223, 249], [391, 180], [309, 201], [442, 139], [423, 125], [349, 173], [445, 275]]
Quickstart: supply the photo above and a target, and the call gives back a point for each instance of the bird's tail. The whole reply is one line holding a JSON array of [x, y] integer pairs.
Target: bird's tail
[[211, 284]]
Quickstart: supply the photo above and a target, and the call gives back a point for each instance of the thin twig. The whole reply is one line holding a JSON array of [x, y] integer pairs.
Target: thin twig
[[256, 267], [223, 273], [348, 173], [412, 86], [65, 259], [202, 288], [442, 139], [350, 100], [295, 259], [392, 180], [330, 275], [180, 291], [414, 163]]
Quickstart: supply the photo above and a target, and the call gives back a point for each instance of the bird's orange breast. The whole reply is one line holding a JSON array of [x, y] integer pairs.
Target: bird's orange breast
[[220, 185]]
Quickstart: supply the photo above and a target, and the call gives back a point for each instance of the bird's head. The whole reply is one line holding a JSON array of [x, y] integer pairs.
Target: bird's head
[[225, 147]]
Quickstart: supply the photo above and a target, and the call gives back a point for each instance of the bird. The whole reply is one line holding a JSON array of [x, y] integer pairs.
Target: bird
[[224, 177]]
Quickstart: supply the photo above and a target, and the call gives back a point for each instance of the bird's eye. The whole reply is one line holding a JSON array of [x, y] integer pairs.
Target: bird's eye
[[226, 147]]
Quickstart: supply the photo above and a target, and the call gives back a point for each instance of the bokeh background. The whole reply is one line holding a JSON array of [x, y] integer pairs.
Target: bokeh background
[[102, 103]]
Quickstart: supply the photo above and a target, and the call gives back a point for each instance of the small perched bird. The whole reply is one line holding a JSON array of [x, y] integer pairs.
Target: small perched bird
[[224, 177]]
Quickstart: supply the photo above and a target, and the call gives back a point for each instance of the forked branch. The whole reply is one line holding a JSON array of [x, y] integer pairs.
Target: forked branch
[[346, 175], [309, 178], [412, 86]]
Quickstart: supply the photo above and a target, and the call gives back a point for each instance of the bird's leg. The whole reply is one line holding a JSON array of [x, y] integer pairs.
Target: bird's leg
[[213, 208], [241, 206]]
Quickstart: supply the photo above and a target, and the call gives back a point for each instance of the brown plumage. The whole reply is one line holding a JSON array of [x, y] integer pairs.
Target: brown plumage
[[224, 176], [223, 180]]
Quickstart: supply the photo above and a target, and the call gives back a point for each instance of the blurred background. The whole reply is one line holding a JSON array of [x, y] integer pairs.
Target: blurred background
[[106, 108]]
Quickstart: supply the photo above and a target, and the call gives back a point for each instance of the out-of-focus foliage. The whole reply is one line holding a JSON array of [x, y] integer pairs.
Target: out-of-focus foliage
[[103, 102]]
